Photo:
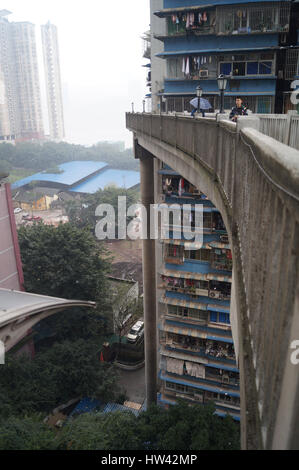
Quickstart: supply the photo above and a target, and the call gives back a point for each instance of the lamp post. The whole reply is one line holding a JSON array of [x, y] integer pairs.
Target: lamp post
[[143, 106], [222, 82], [132, 104], [199, 95]]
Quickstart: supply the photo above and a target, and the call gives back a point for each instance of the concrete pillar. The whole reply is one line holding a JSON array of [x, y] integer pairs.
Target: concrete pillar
[[149, 279]]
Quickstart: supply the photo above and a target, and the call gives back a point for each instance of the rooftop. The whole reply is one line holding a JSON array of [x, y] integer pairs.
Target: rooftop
[[110, 177], [72, 172]]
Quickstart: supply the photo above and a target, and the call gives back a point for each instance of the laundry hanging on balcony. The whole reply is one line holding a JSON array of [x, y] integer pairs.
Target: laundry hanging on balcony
[[195, 370], [174, 366], [186, 65]]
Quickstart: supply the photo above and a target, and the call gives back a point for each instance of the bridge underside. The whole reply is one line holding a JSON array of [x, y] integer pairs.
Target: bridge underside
[[246, 174]]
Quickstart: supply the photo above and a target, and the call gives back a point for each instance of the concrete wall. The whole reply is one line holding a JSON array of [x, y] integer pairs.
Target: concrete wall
[[254, 181], [11, 275]]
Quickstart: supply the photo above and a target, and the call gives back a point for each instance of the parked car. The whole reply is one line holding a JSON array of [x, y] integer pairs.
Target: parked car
[[136, 331], [17, 210], [26, 214], [36, 217], [27, 217]]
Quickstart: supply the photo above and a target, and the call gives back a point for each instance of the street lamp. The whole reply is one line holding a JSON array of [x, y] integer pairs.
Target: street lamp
[[132, 104], [143, 106], [222, 82], [199, 93]]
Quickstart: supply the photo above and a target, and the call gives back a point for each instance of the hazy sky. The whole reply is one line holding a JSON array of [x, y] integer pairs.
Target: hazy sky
[[100, 59]]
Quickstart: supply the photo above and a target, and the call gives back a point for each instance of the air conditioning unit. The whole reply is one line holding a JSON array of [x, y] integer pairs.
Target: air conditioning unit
[[203, 73], [215, 294]]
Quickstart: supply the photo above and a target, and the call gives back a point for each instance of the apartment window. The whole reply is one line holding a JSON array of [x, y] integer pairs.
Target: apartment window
[[225, 68], [255, 18], [239, 68], [292, 64], [264, 104], [243, 68], [199, 255], [252, 68], [265, 68], [219, 317]]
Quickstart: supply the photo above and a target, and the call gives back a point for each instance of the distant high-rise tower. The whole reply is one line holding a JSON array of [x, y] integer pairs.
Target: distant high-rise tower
[[27, 80], [20, 106], [53, 80]]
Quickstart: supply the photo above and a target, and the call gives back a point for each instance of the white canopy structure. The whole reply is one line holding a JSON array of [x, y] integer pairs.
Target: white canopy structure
[[19, 311]]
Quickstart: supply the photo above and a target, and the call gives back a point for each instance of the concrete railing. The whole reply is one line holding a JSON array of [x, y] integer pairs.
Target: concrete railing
[[282, 127], [254, 181]]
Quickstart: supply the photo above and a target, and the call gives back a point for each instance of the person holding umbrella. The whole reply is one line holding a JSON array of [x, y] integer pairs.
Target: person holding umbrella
[[199, 103]]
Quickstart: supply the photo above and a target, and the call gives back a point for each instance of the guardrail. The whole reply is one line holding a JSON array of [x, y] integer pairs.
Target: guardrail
[[282, 127]]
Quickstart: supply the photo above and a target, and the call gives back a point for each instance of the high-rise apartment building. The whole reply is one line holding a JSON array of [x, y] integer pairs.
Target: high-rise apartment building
[[197, 359], [19, 79], [255, 44], [53, 81]]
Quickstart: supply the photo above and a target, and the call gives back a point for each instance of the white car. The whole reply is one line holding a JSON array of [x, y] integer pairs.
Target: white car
[[17, 210], [136, 331]]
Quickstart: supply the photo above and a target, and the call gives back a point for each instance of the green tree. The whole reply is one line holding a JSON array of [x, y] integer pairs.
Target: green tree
[[63, 262], [116, 430], [28, 433], [66, 370], [181, 427], [82, 213]]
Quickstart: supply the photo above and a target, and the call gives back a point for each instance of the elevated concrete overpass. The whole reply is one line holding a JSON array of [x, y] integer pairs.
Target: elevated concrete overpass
[[254, 181]]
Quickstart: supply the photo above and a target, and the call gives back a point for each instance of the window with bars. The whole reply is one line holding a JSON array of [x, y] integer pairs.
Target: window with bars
[[292, 64], [248, 19], [256, 104]]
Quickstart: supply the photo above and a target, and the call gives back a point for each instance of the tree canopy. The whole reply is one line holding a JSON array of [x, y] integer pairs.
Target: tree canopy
[[181, 427], [67, 370], [62, 262], [36, 157]]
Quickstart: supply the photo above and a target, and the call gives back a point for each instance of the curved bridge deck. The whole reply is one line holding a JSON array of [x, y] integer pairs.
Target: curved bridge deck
[[254, 181]]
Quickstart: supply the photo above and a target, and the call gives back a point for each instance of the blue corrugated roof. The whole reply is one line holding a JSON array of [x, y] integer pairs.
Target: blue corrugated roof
[[112, 407], [110, 177], [86, 405], [72, 172]]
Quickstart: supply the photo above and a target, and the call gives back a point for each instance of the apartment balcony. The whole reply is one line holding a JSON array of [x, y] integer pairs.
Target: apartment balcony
[[196, 292], [215, 383], [202, 393], [174, 259], [217, 357]]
